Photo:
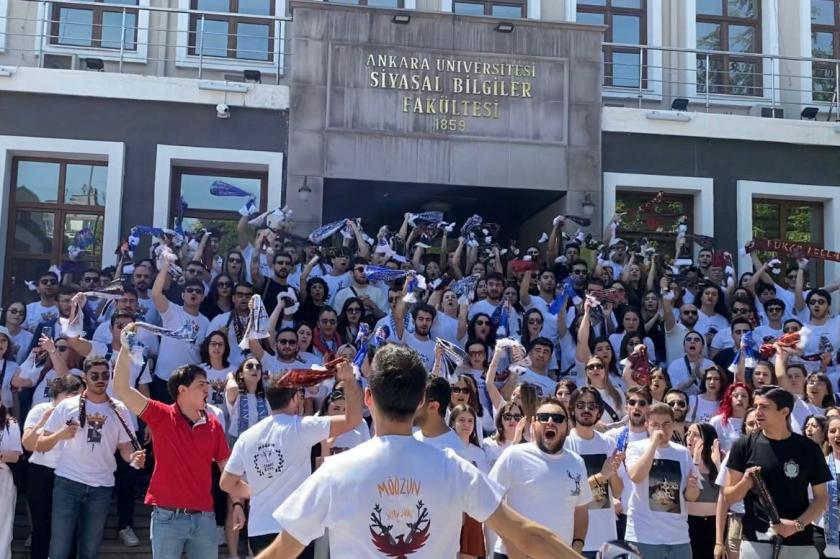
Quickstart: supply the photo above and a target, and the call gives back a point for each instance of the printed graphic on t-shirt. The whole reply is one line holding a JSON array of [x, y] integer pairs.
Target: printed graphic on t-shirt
[[94, 424], [141, 314], [664, 486], [575, 477], [268, 461], [398, 530], [49, 316], [218, 393], [791, 469], [600, 493]]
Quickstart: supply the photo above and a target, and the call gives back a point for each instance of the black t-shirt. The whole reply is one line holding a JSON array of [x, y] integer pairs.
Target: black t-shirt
[[788, 468]]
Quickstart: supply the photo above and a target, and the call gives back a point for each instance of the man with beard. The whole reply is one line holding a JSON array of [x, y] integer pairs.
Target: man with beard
[[825, 329], [791, 467], [636, 406], [664, 478], [676, 330], [495, 288], [420, 340], [141, 280], [273, 286], [128, 304], [430, 416], [45, 309], [677, 400], [93, 427], [602, 462], [235, 321], [374, 299], [537, 372], [545, 482], [704, 261]]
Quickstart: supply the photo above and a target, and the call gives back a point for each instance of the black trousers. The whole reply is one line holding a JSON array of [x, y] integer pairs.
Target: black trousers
[[219, 498], [125, 478], [819, 541], [39, 490], [259, 543], [701, 531]]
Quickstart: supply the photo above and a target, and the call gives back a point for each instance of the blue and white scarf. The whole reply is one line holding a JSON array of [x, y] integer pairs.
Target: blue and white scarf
[[832, 514], [244, 420]]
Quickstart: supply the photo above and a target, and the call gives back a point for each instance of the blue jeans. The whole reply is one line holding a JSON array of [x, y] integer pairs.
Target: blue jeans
[[665, 551], [78, 509], [173, 533]]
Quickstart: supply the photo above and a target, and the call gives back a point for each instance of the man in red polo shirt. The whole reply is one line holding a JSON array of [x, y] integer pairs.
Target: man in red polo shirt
[[186, 441]]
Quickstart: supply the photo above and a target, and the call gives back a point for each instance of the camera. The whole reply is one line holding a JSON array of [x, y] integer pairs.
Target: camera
[[222, 111]]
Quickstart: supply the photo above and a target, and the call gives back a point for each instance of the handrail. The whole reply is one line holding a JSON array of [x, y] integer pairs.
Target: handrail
[[87, 4]]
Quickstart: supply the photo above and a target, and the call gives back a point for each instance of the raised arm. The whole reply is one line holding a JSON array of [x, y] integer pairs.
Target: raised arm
[[530, 538], [243, 232], [555, 242], [524, 288], [362, 247], [133, 399], [668, 298], [799, 297], [157, 295], [455, 259], [444, 250], [582, 351], [353, 401], [30, 435], [257, 277], [304, 276], [399, 311], [496, 397]]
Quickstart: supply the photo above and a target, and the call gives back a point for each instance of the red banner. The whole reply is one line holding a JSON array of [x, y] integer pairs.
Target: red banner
[[795, 250]]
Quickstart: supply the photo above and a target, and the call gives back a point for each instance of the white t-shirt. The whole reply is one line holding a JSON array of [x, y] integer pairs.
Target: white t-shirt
[[37, 313], [174, 353], [545, 488], [388, 322], [830, 331], [147, 311], [10, 440], [701, 410], [706, 322], [41, 391], [220, 322], [627, 489], [674, 348], [765, 332], [475, 456], [22, 340], [446, 328], [615, 341], [351, 439], [595, 452], [48, 459], [379, 297], [720, 481], [8, 368], [658, 514], [138, 374], [448, 440], [218, 380], [545, 386], [88, 457], [424, 348], [728, 432], [493, 450], [151, 343], [679, 373], [358, 494], [483, 306], [274, 456], [335, 284]]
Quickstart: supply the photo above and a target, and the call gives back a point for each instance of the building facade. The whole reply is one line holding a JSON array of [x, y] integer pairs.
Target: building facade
[[108, 115]]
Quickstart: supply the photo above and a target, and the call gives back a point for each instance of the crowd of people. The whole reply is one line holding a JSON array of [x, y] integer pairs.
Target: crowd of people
[[294, 395]]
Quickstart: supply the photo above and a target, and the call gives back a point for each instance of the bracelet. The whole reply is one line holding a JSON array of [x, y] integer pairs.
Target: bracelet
[[577, 540], [239, 504], [719, 544]]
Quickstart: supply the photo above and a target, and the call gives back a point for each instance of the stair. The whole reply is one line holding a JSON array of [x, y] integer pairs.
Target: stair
[[111, 548]]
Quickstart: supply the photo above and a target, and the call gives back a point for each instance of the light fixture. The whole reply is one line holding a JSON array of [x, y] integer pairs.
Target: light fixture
[[252, 76], [95, 64], [401, 19], [679, 104], [6, 71], [305, 191], [588, 206], [668, 115], [809, 113], [504, 27]]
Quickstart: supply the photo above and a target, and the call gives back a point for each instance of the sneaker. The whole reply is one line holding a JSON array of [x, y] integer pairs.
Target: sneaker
[[128, 538], [28, 543], [220, 536]]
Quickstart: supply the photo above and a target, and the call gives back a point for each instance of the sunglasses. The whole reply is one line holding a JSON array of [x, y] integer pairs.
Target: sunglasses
[[48, 282], [512, 417], [741, 311], [774, 309], [594, 367], [98, 376], [690, 313], [634, 402], [251, 366], [194, 290], [591, 406], [534, 321], [225, 284], [354, 310], [482, 323], [677, 404], [336, 395], [235, 260], [459, 390], [284, 341], [555, 417], [817, 302]]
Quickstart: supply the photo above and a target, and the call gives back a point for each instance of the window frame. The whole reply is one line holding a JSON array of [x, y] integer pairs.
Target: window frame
[[608, 11], [60, 209], [197, 213], [400, 4], [724, 21], [488, 6], [816, 66], [96, 35], [232, 20], [816, 267], [686, 199]]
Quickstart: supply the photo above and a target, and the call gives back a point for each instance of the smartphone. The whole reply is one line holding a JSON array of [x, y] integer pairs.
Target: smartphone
[[528, 396], [47, 331]]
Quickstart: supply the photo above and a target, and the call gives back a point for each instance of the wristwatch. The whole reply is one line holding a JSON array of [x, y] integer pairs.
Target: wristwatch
[[798, 525]]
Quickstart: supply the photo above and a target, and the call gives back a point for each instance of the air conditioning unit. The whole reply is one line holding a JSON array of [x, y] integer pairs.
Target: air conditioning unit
[[60, 62], [765, 111]]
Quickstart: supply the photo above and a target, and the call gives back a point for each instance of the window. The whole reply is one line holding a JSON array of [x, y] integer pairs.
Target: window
[[825, 43], [734, 26], [53, 202], [376, 3], [208, 211], [790, 220], [626, 24], [505, 9], [659, 226], [236, 36], [94, 26]]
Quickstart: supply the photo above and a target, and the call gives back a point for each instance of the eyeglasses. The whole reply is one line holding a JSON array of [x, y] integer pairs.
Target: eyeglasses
[[774, 309], [354, 310], [594, 366], [534, 321], [225, 285], [217, 344], [633, 402], [511, 417], [48, 282], [690, 313], [677, 404], [92, 376], [816, 301], [328, 321], [591, 406], [459, 390], [19, 312], [194, 290], [555, 417], [251, 366], [284, 341], [741, 311]]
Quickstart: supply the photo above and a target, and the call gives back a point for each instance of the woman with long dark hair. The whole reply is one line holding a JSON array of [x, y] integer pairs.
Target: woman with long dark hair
[[47, 361], [219, 298], [215, 355], [816, 429], [10, 451], [463, 421], [480, 326], [465, 392], [314, 296], [13, 318], [234, 266], [509, 422], [704, 405], [631, 321], [702, 442], [349, 319]]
